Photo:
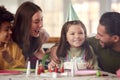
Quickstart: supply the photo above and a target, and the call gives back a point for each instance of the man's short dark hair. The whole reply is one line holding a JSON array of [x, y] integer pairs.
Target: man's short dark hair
[[111, 21]]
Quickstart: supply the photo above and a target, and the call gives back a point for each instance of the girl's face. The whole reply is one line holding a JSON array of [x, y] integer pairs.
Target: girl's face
[[37, 24], [5, 32], [75, 36]]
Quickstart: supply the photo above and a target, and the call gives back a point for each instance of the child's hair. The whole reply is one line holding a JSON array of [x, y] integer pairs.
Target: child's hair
[[5, 15], [64, 45]]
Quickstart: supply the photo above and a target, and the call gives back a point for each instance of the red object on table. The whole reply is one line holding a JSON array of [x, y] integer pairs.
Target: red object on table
[[50, 70], [40, 69], [62, 69], [56, 69]]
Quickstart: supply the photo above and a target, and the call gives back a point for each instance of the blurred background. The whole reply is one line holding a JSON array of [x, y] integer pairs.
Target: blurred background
[[55, 12]]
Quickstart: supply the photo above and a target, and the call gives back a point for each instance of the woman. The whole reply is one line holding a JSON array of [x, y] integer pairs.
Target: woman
[[28, 32]]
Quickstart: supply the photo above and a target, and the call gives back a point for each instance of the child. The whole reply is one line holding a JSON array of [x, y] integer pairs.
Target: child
[[10, 54], [73, 44]]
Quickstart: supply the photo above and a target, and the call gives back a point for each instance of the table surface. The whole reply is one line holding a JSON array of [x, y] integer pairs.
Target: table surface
[[32, 76]]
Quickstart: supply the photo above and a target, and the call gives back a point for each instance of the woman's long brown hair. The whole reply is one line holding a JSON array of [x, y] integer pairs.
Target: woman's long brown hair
[[21, 29]]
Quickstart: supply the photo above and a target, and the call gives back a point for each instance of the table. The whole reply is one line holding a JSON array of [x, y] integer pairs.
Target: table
[[21, 77], [32, 76]]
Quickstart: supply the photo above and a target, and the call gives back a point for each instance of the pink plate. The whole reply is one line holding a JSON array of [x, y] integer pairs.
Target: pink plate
[[86, 72]]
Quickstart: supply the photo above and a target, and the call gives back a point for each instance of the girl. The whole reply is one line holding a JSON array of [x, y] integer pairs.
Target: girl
[[73, 44]]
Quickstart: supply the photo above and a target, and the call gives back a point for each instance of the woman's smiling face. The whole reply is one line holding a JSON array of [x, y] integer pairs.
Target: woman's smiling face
[[37, 24]]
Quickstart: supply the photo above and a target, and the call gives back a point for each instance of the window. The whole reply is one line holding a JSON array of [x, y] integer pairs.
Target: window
[[54, 11]]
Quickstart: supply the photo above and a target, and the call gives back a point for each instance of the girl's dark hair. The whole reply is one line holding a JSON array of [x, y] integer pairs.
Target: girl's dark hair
[[5, 16], [64, 45], [22, 25], [111, 22]]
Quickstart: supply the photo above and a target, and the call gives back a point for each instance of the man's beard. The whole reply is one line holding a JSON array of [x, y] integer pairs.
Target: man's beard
[[108, 45]]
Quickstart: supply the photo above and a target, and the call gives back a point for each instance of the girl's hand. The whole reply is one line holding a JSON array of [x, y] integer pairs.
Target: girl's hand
[[52, 64], [89, 66], [5, 54]]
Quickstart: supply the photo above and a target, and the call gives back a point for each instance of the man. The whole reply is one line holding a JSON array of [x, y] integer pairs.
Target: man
[[107, 42]]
